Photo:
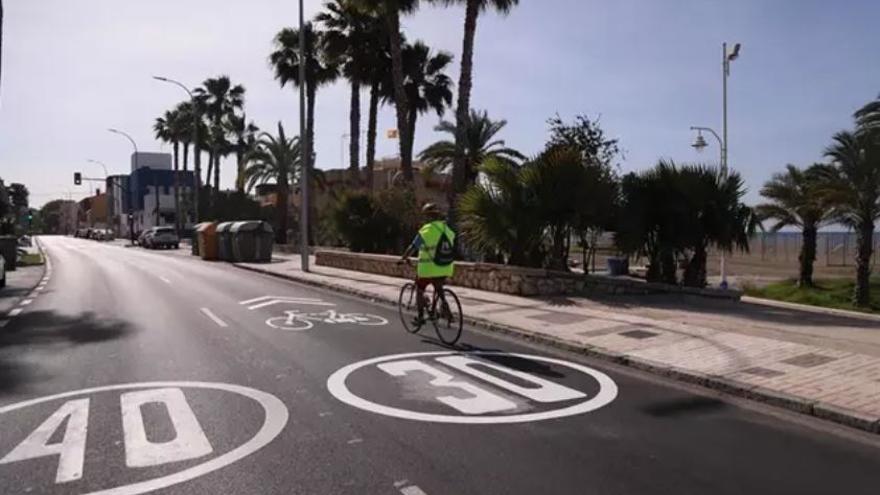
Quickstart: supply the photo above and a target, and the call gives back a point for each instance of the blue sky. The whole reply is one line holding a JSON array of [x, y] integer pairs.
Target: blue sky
[[649, 69]]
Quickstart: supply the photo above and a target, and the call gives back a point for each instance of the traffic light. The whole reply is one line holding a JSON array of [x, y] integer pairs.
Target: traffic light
[[77, 178]]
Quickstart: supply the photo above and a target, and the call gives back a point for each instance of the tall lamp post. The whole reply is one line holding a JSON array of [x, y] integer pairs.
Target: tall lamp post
[[197, 160], [727, 56], [304, 148], [134, 145]]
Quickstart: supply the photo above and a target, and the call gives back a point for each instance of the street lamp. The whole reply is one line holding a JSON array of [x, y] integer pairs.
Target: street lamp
[[197, 160], [134, 145], [727, 56], [305, 149]]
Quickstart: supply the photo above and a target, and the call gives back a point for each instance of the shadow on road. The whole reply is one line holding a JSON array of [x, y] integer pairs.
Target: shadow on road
[[682, 406], [49, 328]]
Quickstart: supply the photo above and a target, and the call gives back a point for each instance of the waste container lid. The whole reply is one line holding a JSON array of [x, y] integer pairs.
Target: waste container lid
[[225, 226], [251, 226], [203, 226]]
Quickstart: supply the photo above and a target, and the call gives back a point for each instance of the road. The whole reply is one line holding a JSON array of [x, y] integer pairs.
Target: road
[[137, 371]]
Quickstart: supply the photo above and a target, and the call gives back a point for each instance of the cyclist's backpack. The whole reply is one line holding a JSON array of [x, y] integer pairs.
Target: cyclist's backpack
[[444, 255]]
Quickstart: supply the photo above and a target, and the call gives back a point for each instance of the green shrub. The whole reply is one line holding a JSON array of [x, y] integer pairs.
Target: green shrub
[[380, 223]]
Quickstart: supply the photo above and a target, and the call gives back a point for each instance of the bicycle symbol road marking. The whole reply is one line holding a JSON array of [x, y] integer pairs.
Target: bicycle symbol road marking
[[298, 321]]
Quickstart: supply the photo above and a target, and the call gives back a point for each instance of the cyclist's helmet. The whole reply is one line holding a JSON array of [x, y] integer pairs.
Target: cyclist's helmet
[[431, 210]]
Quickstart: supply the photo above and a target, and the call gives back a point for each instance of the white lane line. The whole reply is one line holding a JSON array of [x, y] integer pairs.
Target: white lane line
[[264, 298], [355, 440], [412, 490], [207, 312], [39, 288], [15, 312], [165, 280], [26, 302], [3, 323]]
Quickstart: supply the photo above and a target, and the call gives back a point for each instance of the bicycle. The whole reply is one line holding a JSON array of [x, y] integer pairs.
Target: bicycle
[[447, 319], [296, 321]]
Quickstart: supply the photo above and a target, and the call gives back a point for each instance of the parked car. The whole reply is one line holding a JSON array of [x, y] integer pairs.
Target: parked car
[[2, 272], [161, 237]]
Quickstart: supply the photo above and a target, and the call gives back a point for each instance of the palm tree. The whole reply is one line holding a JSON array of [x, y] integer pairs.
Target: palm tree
[[320, 71], [276, 159], [351, 37], [852, 186], [167, 129], [426, 84], [390, 11], [868, 117], [221, 100], [465, 82], [480, 145], [795, 201], [244, 142]]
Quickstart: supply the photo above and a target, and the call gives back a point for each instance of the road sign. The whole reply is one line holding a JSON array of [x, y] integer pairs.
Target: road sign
[[474, 388], [264, 301], [70, 426]]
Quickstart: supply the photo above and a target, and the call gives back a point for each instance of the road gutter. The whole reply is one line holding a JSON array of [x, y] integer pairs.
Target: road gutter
[[713, 382]]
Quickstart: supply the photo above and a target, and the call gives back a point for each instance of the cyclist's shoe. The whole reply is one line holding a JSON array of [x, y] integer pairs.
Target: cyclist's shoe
[[418, 321]]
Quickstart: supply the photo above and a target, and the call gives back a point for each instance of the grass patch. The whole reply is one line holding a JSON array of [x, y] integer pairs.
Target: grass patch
[[30, 259], [830, 293]]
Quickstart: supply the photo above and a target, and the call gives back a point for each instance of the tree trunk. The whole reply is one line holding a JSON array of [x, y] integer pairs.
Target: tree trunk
[[310, 157], [185, 157], [411, 132], [371, 133], [862, 294], [668, 272], [281, 201], [217, 158], [354, 140], [210, 169], [807, 256], [465, 81], [209, 194], [176, 146], [239, 167], [695, 271], [399, 94]]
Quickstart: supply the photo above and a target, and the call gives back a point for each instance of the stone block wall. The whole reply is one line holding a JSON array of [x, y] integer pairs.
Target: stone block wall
[[514, 280]]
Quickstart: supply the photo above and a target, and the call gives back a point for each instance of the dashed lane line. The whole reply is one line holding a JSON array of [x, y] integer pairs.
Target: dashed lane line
[[26, 302], [15, 312], [216, 319]]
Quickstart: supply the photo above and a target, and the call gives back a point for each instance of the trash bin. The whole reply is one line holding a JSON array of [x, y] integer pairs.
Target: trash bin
[[205, 240], [9, 250], [618, 265], [252, 241], [224, 242], [195, 238]]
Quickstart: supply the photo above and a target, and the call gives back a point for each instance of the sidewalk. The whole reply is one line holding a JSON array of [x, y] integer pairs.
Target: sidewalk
[[823, 365]]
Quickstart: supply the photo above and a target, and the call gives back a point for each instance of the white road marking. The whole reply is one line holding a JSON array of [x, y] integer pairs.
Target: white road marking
[[337, 387], [164, 280], [275, 418], [207, 312], [189, 441], [71, 450], [39, 288], [263, 298], [412, 490], [15, 312], [355, 440], [307, 302], [26, 302]]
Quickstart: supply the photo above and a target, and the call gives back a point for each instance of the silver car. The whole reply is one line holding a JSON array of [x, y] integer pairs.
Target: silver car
[[162, 237]]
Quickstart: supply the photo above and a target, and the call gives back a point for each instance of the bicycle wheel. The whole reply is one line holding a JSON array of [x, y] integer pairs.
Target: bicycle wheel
[[294, 325], [449, 318], [407, 307]]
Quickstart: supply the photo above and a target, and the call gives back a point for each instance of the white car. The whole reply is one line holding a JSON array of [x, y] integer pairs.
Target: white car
[[161, 237]]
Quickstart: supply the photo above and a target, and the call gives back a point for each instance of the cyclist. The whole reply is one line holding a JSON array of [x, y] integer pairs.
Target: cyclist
[[434, 243]]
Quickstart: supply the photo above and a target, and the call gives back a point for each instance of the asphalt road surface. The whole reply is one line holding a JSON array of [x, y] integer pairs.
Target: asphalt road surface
[[152, 372]]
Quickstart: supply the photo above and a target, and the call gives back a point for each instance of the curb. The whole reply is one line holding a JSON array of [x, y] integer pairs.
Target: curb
[[720, 384], [844, 313]]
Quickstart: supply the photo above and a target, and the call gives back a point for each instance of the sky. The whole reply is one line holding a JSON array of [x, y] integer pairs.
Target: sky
[[647, 69]]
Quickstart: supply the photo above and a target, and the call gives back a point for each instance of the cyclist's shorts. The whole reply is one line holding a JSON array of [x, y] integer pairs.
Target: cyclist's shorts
[[423, 283]]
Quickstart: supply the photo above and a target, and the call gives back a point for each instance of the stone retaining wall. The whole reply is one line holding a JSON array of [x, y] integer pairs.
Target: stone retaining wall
[[515, 280]]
